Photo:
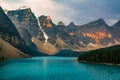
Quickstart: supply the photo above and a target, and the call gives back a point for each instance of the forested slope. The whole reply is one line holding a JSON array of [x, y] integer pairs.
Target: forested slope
[[104, 55]]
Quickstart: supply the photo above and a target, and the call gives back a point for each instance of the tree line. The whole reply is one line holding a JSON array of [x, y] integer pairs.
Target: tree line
[[104, 55]]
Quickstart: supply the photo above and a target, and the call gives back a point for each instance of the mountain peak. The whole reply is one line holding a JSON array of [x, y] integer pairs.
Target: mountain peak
[[46, 21], [71, 24], [101, 21], [61, 23], [45, 17]]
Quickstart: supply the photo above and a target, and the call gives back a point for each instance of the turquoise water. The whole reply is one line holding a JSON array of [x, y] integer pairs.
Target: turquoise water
[[56, 68]]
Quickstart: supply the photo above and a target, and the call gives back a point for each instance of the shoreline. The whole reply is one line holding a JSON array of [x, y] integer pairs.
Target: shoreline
[[84, 61]]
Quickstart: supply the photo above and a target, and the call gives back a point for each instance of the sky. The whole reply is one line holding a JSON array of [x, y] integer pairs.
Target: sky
[[78, 11]]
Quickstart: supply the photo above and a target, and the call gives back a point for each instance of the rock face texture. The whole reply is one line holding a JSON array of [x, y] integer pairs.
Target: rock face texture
[[46, 21], [97, 32], [48, 27], [26, 23], [93, 35], [56, 32], [9, 33]]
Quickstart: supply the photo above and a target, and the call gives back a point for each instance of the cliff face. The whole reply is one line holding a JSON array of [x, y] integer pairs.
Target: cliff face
[[9, 33], [46, 21], [76, 37], [96, 32], [98, 36], [56, 31], [26, 23], [48, 26]]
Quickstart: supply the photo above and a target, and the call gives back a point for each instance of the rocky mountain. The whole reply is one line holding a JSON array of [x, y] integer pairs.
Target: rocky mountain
[[48, 27], [93, 35], [29, 28], [46, 21], [26, 23], [9, 33], [96, 32], [57, 32]]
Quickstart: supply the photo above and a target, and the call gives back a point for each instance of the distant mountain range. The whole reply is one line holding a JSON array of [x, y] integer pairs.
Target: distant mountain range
[[39, 36]]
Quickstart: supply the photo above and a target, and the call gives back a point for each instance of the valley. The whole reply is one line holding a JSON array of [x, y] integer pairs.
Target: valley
[[40, 36]]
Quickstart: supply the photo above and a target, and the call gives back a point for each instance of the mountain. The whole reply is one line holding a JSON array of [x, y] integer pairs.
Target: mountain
[[96, 32], [56, 32], [72, 27], [46, 22], [9, 33], [93, 35], [7, 51], [110, 55], [48, 27], [26, 23], [104, 55], [26, 36], [30, 27]]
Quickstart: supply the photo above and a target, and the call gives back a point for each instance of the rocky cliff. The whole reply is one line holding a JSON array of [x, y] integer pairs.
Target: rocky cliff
[[93, 35], [96, 32], [9, 33], [26, 23]]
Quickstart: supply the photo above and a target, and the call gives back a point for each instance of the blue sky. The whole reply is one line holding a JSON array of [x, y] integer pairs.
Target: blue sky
[[77, 11]]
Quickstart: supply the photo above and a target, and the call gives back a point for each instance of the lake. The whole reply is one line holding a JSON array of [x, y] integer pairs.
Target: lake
[[56, 68]]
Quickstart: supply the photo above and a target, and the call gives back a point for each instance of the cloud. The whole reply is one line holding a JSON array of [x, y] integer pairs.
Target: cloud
[[78, 11], [87, 10], [39, 7]]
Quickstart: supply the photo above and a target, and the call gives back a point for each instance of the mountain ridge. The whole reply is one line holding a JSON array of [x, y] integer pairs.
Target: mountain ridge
[[80, 37]]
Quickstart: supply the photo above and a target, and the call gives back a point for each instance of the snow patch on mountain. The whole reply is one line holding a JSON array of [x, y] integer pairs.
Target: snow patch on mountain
[[45, 35]]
